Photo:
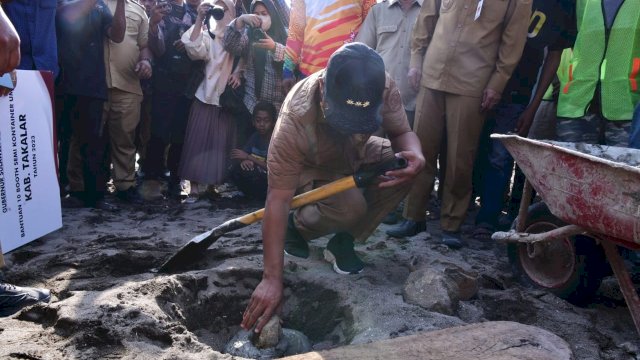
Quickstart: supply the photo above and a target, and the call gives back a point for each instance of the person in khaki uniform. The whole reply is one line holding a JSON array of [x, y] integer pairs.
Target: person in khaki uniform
[[126, 63], [462, 55], [387, 29], [323, 134]]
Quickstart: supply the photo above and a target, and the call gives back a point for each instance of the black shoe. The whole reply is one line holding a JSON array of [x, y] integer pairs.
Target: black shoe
[[105, 205], [407, 228], [340, 253], [130, 196], [13, 298], [176, 191], [294, 243], [452, 239], [391, 218], [72, 201]]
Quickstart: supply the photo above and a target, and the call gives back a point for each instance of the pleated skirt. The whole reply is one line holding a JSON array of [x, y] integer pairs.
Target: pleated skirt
[[210, 136]]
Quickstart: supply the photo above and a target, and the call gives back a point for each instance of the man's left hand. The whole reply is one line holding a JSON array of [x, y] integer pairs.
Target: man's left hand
[[143, 69], [406, 175], [490, 98], [525, 121]]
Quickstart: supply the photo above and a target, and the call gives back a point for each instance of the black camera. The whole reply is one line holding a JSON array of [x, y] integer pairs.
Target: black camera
[[215, 11], [256, 34]]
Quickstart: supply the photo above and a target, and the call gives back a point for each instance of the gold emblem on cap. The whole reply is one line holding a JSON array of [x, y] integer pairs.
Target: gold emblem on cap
[[362, 104]]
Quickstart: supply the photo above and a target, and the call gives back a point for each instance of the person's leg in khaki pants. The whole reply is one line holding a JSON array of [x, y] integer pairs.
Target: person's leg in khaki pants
[[122, 115], [429, 126], [464, 123]]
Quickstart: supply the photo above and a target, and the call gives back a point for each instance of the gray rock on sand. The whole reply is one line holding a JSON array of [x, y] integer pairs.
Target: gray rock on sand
[[440, 290], [270, 335], [272, 342]]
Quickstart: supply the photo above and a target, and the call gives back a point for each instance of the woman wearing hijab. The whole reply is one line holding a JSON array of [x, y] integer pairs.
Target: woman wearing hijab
[[210, 131], [260, 37]]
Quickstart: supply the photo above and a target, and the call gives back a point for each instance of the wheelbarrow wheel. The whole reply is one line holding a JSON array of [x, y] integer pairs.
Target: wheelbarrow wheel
[[571, 268]]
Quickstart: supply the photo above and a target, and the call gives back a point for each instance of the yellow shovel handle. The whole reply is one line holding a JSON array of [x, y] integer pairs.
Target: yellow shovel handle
[[309, 197]]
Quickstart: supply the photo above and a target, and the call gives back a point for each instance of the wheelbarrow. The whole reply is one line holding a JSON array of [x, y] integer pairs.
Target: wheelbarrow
[[591, 206]]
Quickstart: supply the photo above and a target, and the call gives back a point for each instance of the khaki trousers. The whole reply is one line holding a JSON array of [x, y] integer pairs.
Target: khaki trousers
[[451, 123], [122, 115], [356, 211]]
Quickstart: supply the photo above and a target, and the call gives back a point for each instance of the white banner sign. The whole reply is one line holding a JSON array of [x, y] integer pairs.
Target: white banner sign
[[29, 195]]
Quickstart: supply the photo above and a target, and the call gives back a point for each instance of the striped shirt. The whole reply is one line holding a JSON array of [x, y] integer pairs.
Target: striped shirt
[[318, 28]]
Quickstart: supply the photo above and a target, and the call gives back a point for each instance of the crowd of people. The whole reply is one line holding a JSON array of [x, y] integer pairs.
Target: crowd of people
[[273, 100]]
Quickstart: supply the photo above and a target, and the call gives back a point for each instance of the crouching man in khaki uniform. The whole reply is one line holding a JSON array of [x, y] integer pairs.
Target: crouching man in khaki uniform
[[323, 134]]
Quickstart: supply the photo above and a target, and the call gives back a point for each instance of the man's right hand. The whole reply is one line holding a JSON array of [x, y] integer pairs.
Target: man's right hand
[[414, 75], [9, 45], [265, 302]]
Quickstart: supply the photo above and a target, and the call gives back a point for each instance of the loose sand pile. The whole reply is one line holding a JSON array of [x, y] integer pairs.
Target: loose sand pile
[[108, 303]]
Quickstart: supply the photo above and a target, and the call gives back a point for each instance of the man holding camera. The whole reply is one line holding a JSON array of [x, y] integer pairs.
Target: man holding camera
[[323, 133], [169, 105]]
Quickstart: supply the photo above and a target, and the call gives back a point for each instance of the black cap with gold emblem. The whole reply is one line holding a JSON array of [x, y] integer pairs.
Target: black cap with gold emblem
[[353, 87]]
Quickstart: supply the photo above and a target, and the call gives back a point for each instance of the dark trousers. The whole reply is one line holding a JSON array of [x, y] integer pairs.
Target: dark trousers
[[499, 164], [169, 116], [252, 183], [83, 144]]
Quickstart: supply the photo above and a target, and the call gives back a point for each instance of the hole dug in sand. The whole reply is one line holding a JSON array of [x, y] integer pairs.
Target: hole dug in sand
[[211, 306]]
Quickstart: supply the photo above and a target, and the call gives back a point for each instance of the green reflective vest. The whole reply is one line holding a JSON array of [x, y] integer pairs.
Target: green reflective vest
[[562, 73], [608, 59]]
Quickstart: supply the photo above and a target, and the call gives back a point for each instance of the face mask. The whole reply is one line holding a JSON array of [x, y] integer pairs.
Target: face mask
[[266, 22]]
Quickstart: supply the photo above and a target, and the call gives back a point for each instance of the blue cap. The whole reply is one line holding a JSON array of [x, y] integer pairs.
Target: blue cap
[[353, 87]]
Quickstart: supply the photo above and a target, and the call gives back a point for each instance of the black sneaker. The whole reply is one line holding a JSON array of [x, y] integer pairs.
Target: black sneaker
[[13, 298], [340, 253], [407, 228], [130, 196], [72, 201], [452, 239], [391, 218], [294, 243]]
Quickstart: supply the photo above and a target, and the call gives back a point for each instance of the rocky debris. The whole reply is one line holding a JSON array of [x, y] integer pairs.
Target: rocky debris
[[270, 335], [490, 340], [291, 342], [440, 288]]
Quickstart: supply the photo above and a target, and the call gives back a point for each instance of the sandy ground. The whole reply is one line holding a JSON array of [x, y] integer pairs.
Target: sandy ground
[[108, 303]]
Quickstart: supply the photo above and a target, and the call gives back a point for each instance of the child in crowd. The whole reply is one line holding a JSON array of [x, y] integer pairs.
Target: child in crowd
[[249, 169]]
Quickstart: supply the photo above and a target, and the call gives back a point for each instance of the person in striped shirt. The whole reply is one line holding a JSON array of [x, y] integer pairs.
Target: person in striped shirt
[[317, 29]]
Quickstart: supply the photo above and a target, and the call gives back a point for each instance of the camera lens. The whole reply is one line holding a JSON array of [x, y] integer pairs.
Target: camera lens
[[257, 34], [217, 12]]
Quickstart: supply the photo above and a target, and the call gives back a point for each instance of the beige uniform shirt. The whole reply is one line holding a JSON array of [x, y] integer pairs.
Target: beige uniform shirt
[[387, 29], [303, 145], [463, 55], [121, 59]]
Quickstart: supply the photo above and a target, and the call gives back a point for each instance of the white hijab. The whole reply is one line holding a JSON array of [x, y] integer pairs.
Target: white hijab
[[218, 62]]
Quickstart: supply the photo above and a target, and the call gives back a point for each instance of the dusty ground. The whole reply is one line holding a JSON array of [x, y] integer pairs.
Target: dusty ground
[[109, 304]]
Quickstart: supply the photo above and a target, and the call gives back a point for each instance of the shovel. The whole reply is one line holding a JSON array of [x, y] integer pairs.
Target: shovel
[[195, 249]]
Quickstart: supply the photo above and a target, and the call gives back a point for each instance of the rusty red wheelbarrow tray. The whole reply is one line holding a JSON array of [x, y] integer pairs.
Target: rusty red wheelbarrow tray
[[594, 189]]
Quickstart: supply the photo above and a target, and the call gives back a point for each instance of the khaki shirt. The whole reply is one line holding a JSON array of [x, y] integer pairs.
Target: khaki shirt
[[303, 141], [120, 59], [464, 56], [387, 29]]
